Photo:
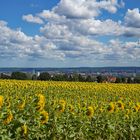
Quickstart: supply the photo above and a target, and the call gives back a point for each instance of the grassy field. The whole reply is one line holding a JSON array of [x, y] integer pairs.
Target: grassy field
[[69, 111]]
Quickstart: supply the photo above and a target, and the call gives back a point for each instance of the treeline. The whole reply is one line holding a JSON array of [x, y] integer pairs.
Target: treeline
[[45, 76]]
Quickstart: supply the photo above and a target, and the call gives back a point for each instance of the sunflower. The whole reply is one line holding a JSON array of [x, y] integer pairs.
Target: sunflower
[[24, 129], [41, 102], [111, 107], [1, 100], [62, 105], [21, 106], [138, 106], [120, 105], [8, 118], [90, 111], [71, 108], [44, 117]]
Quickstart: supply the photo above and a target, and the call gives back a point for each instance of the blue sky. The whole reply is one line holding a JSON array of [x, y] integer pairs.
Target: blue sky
[[69, 33], [13, 10]]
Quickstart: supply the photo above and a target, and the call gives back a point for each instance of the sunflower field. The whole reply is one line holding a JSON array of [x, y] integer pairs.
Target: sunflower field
[[69, 111]]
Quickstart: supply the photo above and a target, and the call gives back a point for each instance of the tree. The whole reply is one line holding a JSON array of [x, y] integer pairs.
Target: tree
[[29, 76], [4, 76], [44, 76], [65, 77], [123, 80], [118, 80], [89, 79], [34, 77], [58, 77], [70, 78], [81, 78], [19, 76], [100, 79], [75, 77], [129, 80], [137, 79]]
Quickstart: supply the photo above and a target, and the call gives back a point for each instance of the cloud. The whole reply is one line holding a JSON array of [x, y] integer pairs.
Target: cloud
[[78, 16], [72, 26], [132, 32], [50, 16], [132, 18], [72, 30], [16, 44], [94, 27], [124, 50], [84, 8], [75, 44], [32, 19], [79, 9]]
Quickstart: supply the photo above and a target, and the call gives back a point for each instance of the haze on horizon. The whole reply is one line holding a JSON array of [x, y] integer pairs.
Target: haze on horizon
[[69, 33]]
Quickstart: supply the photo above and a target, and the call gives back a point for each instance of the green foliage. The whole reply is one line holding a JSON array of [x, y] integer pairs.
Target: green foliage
[[101, 78], [137, 79], [44, 76], [4, 76], [19, 76]]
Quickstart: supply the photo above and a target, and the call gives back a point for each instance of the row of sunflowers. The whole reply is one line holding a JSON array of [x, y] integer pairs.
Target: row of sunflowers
[[69, 110]]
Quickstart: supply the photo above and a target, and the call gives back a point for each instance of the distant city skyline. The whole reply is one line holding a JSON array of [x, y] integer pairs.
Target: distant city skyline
[[69, 33]]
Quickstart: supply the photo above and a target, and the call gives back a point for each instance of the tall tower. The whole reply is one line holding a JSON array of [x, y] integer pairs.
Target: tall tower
[[33, 72]]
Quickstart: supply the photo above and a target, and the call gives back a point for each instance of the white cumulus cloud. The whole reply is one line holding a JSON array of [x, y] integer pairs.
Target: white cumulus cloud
[[132, 18], [72, 30], [32, 19]]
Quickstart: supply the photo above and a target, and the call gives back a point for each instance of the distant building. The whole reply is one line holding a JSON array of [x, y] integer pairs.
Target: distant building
[[111, 79]]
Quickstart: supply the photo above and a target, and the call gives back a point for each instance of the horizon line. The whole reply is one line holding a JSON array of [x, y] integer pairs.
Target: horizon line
[[75, 67]]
